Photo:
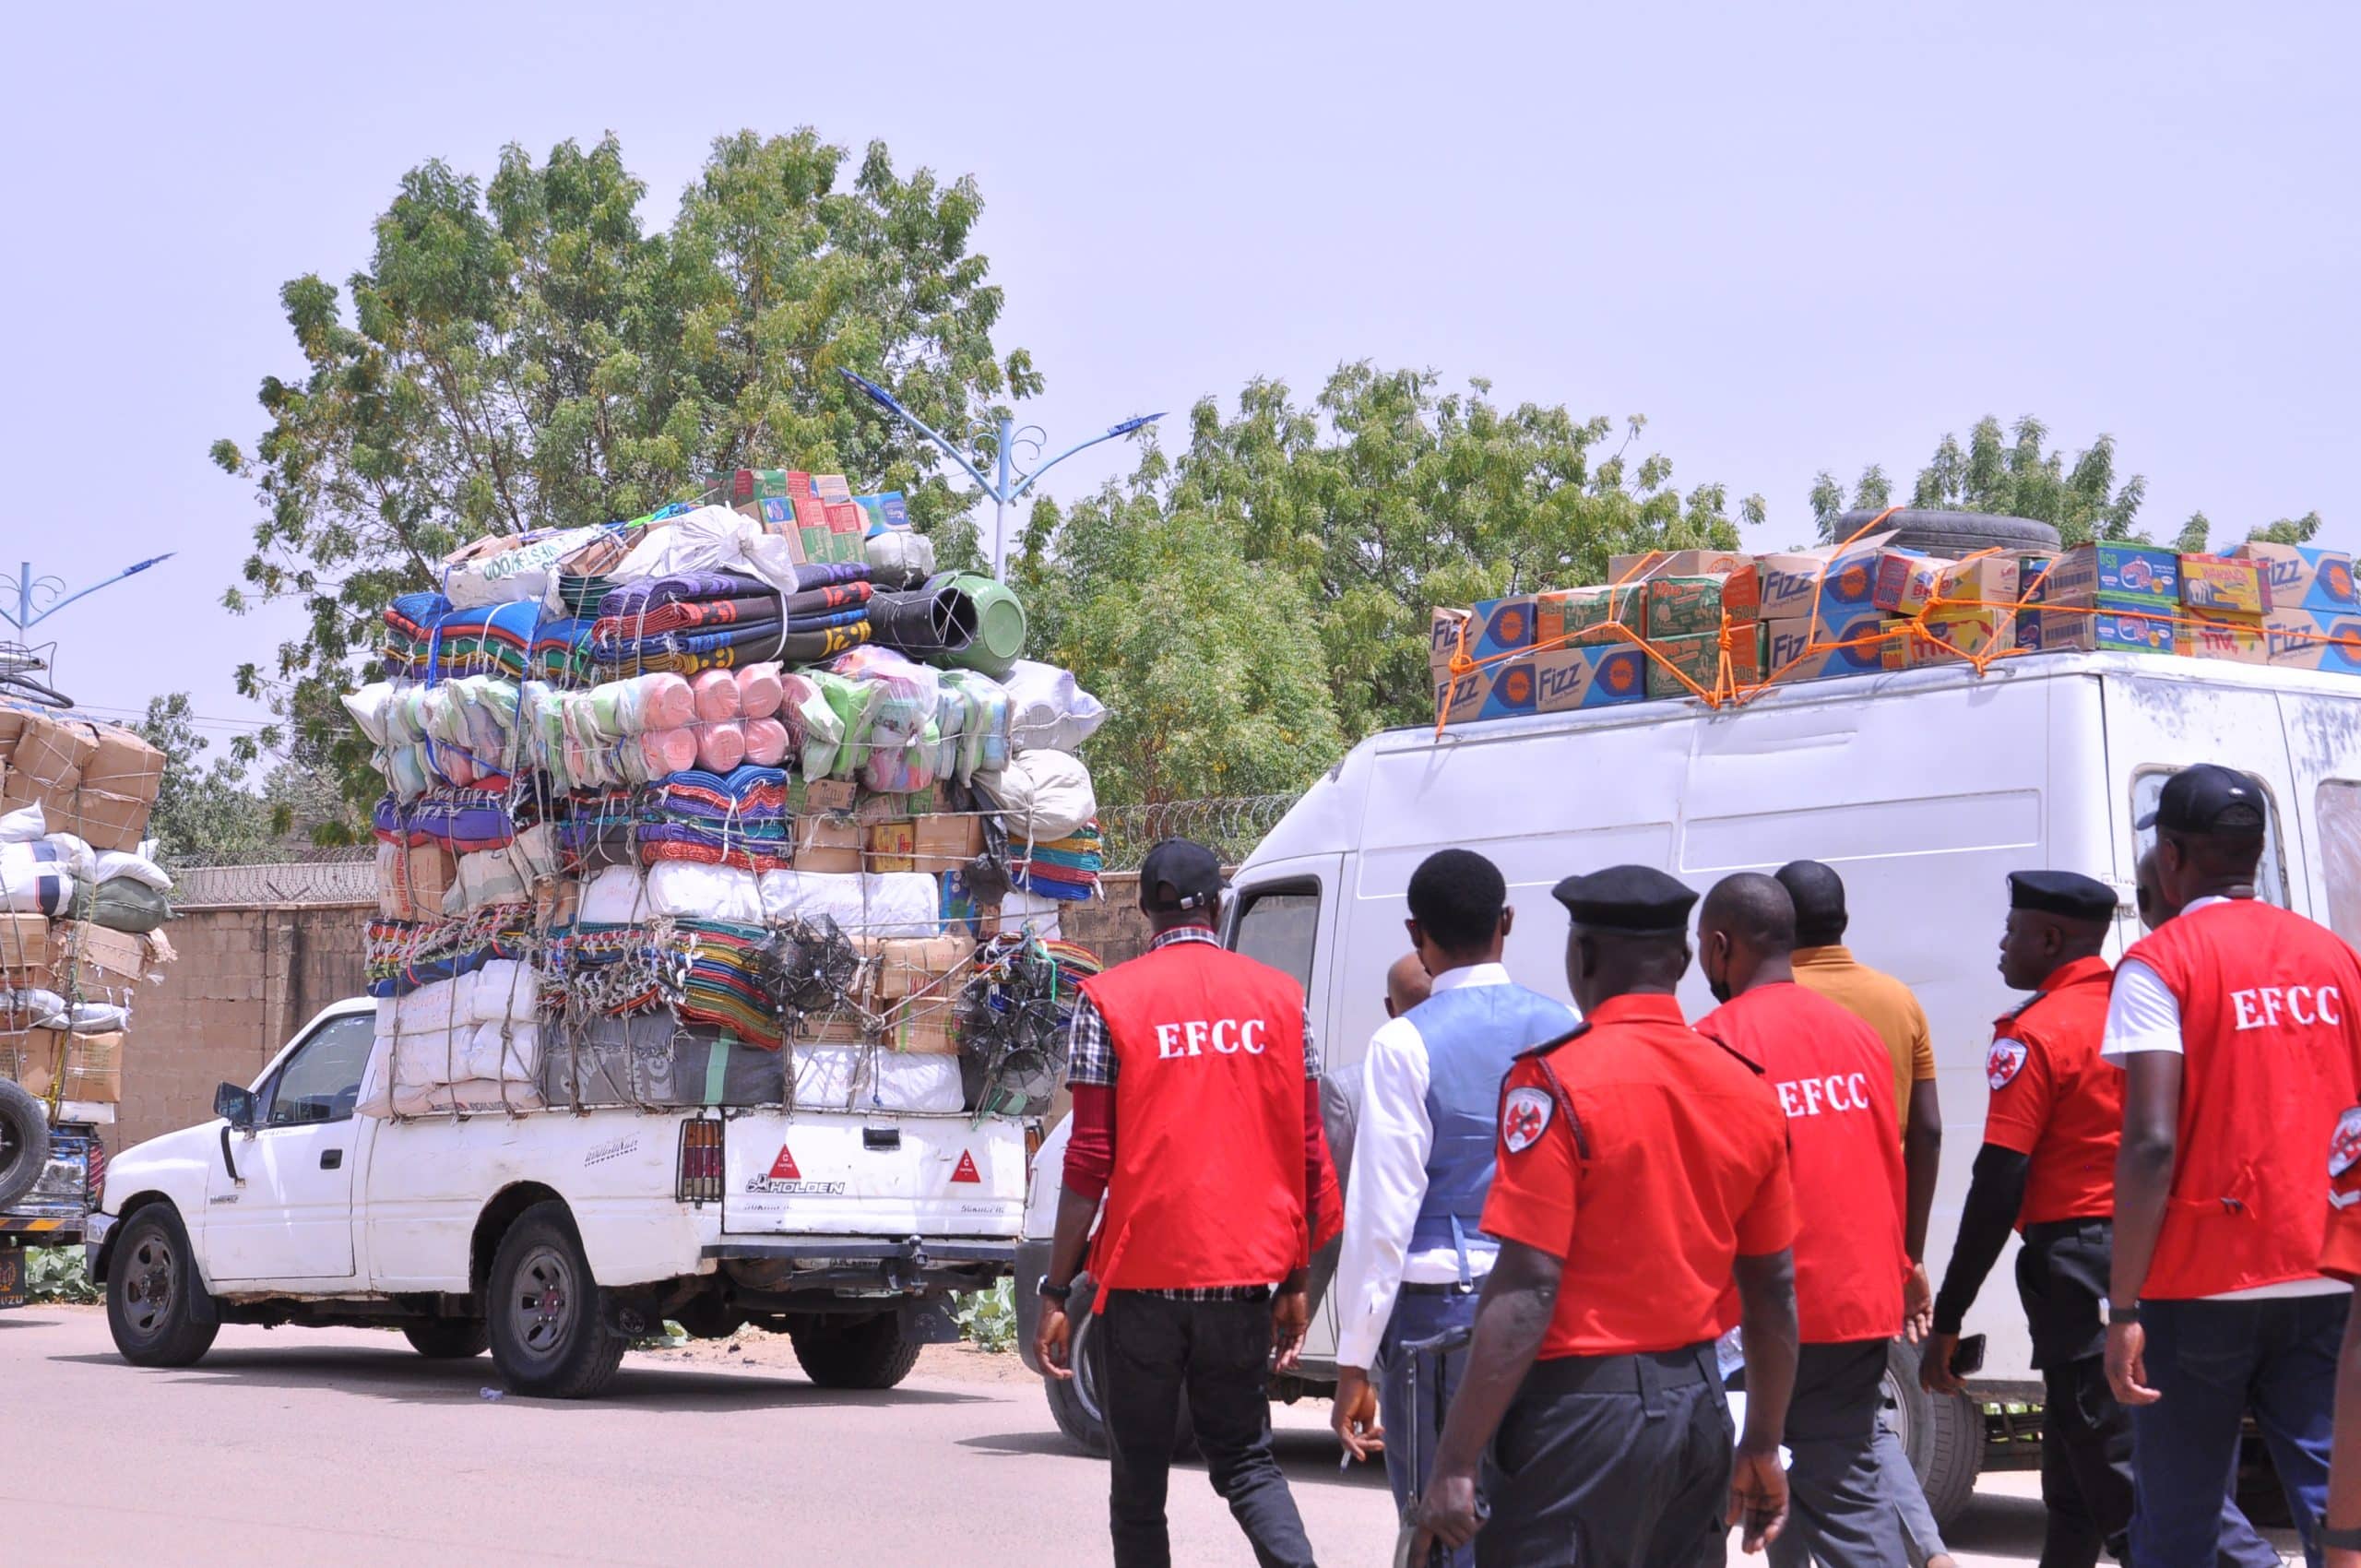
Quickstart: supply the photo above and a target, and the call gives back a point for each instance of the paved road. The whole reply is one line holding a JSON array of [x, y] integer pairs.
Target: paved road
[[340, 1447]]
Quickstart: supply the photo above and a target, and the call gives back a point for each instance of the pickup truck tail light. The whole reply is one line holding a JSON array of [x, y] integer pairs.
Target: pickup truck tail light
[[700, 1161]]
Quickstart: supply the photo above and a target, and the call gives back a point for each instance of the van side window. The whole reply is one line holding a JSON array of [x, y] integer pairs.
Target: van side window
[[2270, 877], [2336, 814], [1277, 926]]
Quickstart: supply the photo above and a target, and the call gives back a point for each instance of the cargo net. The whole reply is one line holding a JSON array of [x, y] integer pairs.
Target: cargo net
[[1929, 629]]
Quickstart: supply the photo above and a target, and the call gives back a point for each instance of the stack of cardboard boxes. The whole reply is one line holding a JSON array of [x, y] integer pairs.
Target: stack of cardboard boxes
[[96, 782], [1865, 606], [818, 514]]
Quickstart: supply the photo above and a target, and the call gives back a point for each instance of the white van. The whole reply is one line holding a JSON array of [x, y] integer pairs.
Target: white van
[[1923, 788]]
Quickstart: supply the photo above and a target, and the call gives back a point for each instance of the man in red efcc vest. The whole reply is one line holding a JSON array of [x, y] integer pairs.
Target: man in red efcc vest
[[1830, 1071], [1196, 1114], [2341, 1259], [2238, 1029]]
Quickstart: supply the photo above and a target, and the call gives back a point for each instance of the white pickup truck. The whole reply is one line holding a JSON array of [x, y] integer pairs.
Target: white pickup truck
[[554, 1236]]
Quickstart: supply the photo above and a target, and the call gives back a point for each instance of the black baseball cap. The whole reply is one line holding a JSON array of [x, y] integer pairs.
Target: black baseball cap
[[1628, 901], [1191, 871], [2066, 893], [2207, 798]]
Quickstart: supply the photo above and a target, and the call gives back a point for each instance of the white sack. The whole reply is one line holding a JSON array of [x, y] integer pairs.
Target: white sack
[[1042, 795], [1048, 711]]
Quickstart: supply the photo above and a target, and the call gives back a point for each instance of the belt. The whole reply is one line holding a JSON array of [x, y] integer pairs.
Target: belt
[[1645, 1372], [1440, 1288], [2050, 1231]]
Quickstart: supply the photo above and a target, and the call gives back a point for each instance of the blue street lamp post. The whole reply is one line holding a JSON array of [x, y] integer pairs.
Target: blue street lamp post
[[1007, 435], [24, 617]]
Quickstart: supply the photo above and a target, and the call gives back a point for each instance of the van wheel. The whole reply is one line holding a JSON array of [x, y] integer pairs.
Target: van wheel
[[1942, 1433], [448, 1338], [550, 1333], [151, 1293], [868, 1354], [1073, 1402], [24, 1141]]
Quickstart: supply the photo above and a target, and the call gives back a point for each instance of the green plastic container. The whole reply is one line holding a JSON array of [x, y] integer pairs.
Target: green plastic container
[[995, 621]]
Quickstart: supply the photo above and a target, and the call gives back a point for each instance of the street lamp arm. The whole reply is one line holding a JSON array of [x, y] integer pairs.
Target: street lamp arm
[[26, 616], [893, 405], [1124, 429]]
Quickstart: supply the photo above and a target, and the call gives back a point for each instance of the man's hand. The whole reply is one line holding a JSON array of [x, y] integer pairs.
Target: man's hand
[[1290, 1320], [1446, 1514], [1935, 1374], [1050, 1338], [1918, 1306], [2127, 1364], [1758, 1497], [1355, 1414]]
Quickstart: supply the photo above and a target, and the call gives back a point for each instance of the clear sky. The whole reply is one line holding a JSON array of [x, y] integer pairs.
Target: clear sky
[[1792, 237]]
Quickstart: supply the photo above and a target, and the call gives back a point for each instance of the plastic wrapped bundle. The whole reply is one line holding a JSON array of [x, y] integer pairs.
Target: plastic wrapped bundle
[[854, 1077], [983, 736], [892, 905], [898, 741], [1048, 711]]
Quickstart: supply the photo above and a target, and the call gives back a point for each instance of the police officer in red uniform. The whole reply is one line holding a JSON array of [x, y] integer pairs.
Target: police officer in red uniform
[[2341, 1259], [1830, 1071], [1641, 1167], [2238, 1027], [1196, 1112]]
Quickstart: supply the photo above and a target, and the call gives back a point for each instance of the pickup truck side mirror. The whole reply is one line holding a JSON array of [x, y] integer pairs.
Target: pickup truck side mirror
[[237, 1105]]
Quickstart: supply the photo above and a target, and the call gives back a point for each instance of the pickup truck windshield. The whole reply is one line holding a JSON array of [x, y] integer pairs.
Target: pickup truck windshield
[[321, 1081]]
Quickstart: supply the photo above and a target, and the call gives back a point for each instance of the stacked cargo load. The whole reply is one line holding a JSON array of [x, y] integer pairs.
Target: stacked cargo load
[[732, 804], [1722, 627], [81, 907]]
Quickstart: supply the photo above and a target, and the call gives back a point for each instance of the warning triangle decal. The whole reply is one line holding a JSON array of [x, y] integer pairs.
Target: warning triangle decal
[[783, 1167], [966, 1170]]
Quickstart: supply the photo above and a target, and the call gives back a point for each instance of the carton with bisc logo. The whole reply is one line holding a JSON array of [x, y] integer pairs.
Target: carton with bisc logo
[[1905, 580], [1699, 657], [1950, 632], [1589, 676], [2139, 577], [1985, 582], [1685, 606], [1505, 690], [2313, 639], [2303, 577], [1502, 625], [1576, 615], [2216, 586]]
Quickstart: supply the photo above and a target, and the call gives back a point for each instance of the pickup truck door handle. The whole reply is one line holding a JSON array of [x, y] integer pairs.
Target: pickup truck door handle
[[331, 1159]]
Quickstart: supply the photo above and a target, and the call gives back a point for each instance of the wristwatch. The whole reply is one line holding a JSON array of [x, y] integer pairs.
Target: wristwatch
[[2122, 1312], [1050, 1292]]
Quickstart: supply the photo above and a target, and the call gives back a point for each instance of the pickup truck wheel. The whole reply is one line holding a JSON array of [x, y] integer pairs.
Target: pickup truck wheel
[[448, 1338], [24, 1141], [1942, 1433], [864, 1355], [550, 1333], [1073, 1402], [150, 1290]]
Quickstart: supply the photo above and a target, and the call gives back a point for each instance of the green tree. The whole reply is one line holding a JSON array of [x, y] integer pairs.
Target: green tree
[[525, 354], [204, 812], [1357, 513]]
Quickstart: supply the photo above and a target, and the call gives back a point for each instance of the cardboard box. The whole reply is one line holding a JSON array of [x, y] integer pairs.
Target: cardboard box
[[1566, 615], [916, 968], [118, 955], [831, 487], [2313, 639], [1685, 606], [2239, 639], [123, 764], [24, 950], [821, 797], [945, 842], [1505, 690], [1836, 583], [828, 845], [2303, 577], [1444, 629], [1792, 652], [923, 1027], [1905, 580], [887, 845], [1657, 564], [1589, 676], [777, 515], [1501, 625], [1989, 582], [2094, 631], [2033, 577], [2216, 586], [107, 820], [883, 513], [92, 1065], [1949, 634], [2140, 576], [51, 752], [1699, 657]]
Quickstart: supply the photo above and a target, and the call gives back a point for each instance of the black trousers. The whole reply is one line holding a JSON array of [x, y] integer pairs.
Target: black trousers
[[2063, 1273], [1218, 1354], [1838, 1512], [1612, 1462]]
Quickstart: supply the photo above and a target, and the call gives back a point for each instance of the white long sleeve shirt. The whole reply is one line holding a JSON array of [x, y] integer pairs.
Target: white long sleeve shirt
[[1389, 1184]]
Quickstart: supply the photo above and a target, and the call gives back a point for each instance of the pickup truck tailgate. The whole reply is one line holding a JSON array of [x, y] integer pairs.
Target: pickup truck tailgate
[[822, 1173]]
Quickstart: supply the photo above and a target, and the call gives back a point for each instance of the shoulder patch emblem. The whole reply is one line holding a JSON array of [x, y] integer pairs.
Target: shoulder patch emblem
[[2344, 1148], [1525, 1116], [2003, 1061]]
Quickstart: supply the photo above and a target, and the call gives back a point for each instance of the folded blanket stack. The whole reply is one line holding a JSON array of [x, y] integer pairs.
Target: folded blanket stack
[[693, 621]]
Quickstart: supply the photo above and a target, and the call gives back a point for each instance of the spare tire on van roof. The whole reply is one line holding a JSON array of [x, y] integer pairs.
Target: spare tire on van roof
[[1954, 534]]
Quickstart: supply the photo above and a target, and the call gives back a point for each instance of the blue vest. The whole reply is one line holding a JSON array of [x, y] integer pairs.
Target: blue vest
[[1472, 1033]]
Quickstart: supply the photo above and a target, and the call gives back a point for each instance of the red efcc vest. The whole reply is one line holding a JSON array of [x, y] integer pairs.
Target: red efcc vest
[[1834, 1078], [2270, 1035], [1208, 1183], [2053, 1100]]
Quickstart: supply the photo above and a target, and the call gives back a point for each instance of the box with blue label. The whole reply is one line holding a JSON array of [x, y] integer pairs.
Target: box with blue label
[[1837, 582], [1502, 625], [1443, 631], [2314, 639], [1589, 676], [2136, 576], [1505, 690], [1794, 653], [2303, 577], [2097, 631]]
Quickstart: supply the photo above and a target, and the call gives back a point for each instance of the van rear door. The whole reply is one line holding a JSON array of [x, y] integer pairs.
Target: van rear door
[[2157, 725]]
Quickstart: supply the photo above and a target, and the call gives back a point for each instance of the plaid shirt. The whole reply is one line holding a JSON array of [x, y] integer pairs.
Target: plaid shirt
[[1090, 1057]]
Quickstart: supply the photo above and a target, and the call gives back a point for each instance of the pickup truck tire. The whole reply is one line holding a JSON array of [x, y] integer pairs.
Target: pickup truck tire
[[1943, 1433], [871, 1354], [550, 1333], [151, 1291], [448, 1338], [24, 1141], [1073, 1402]]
